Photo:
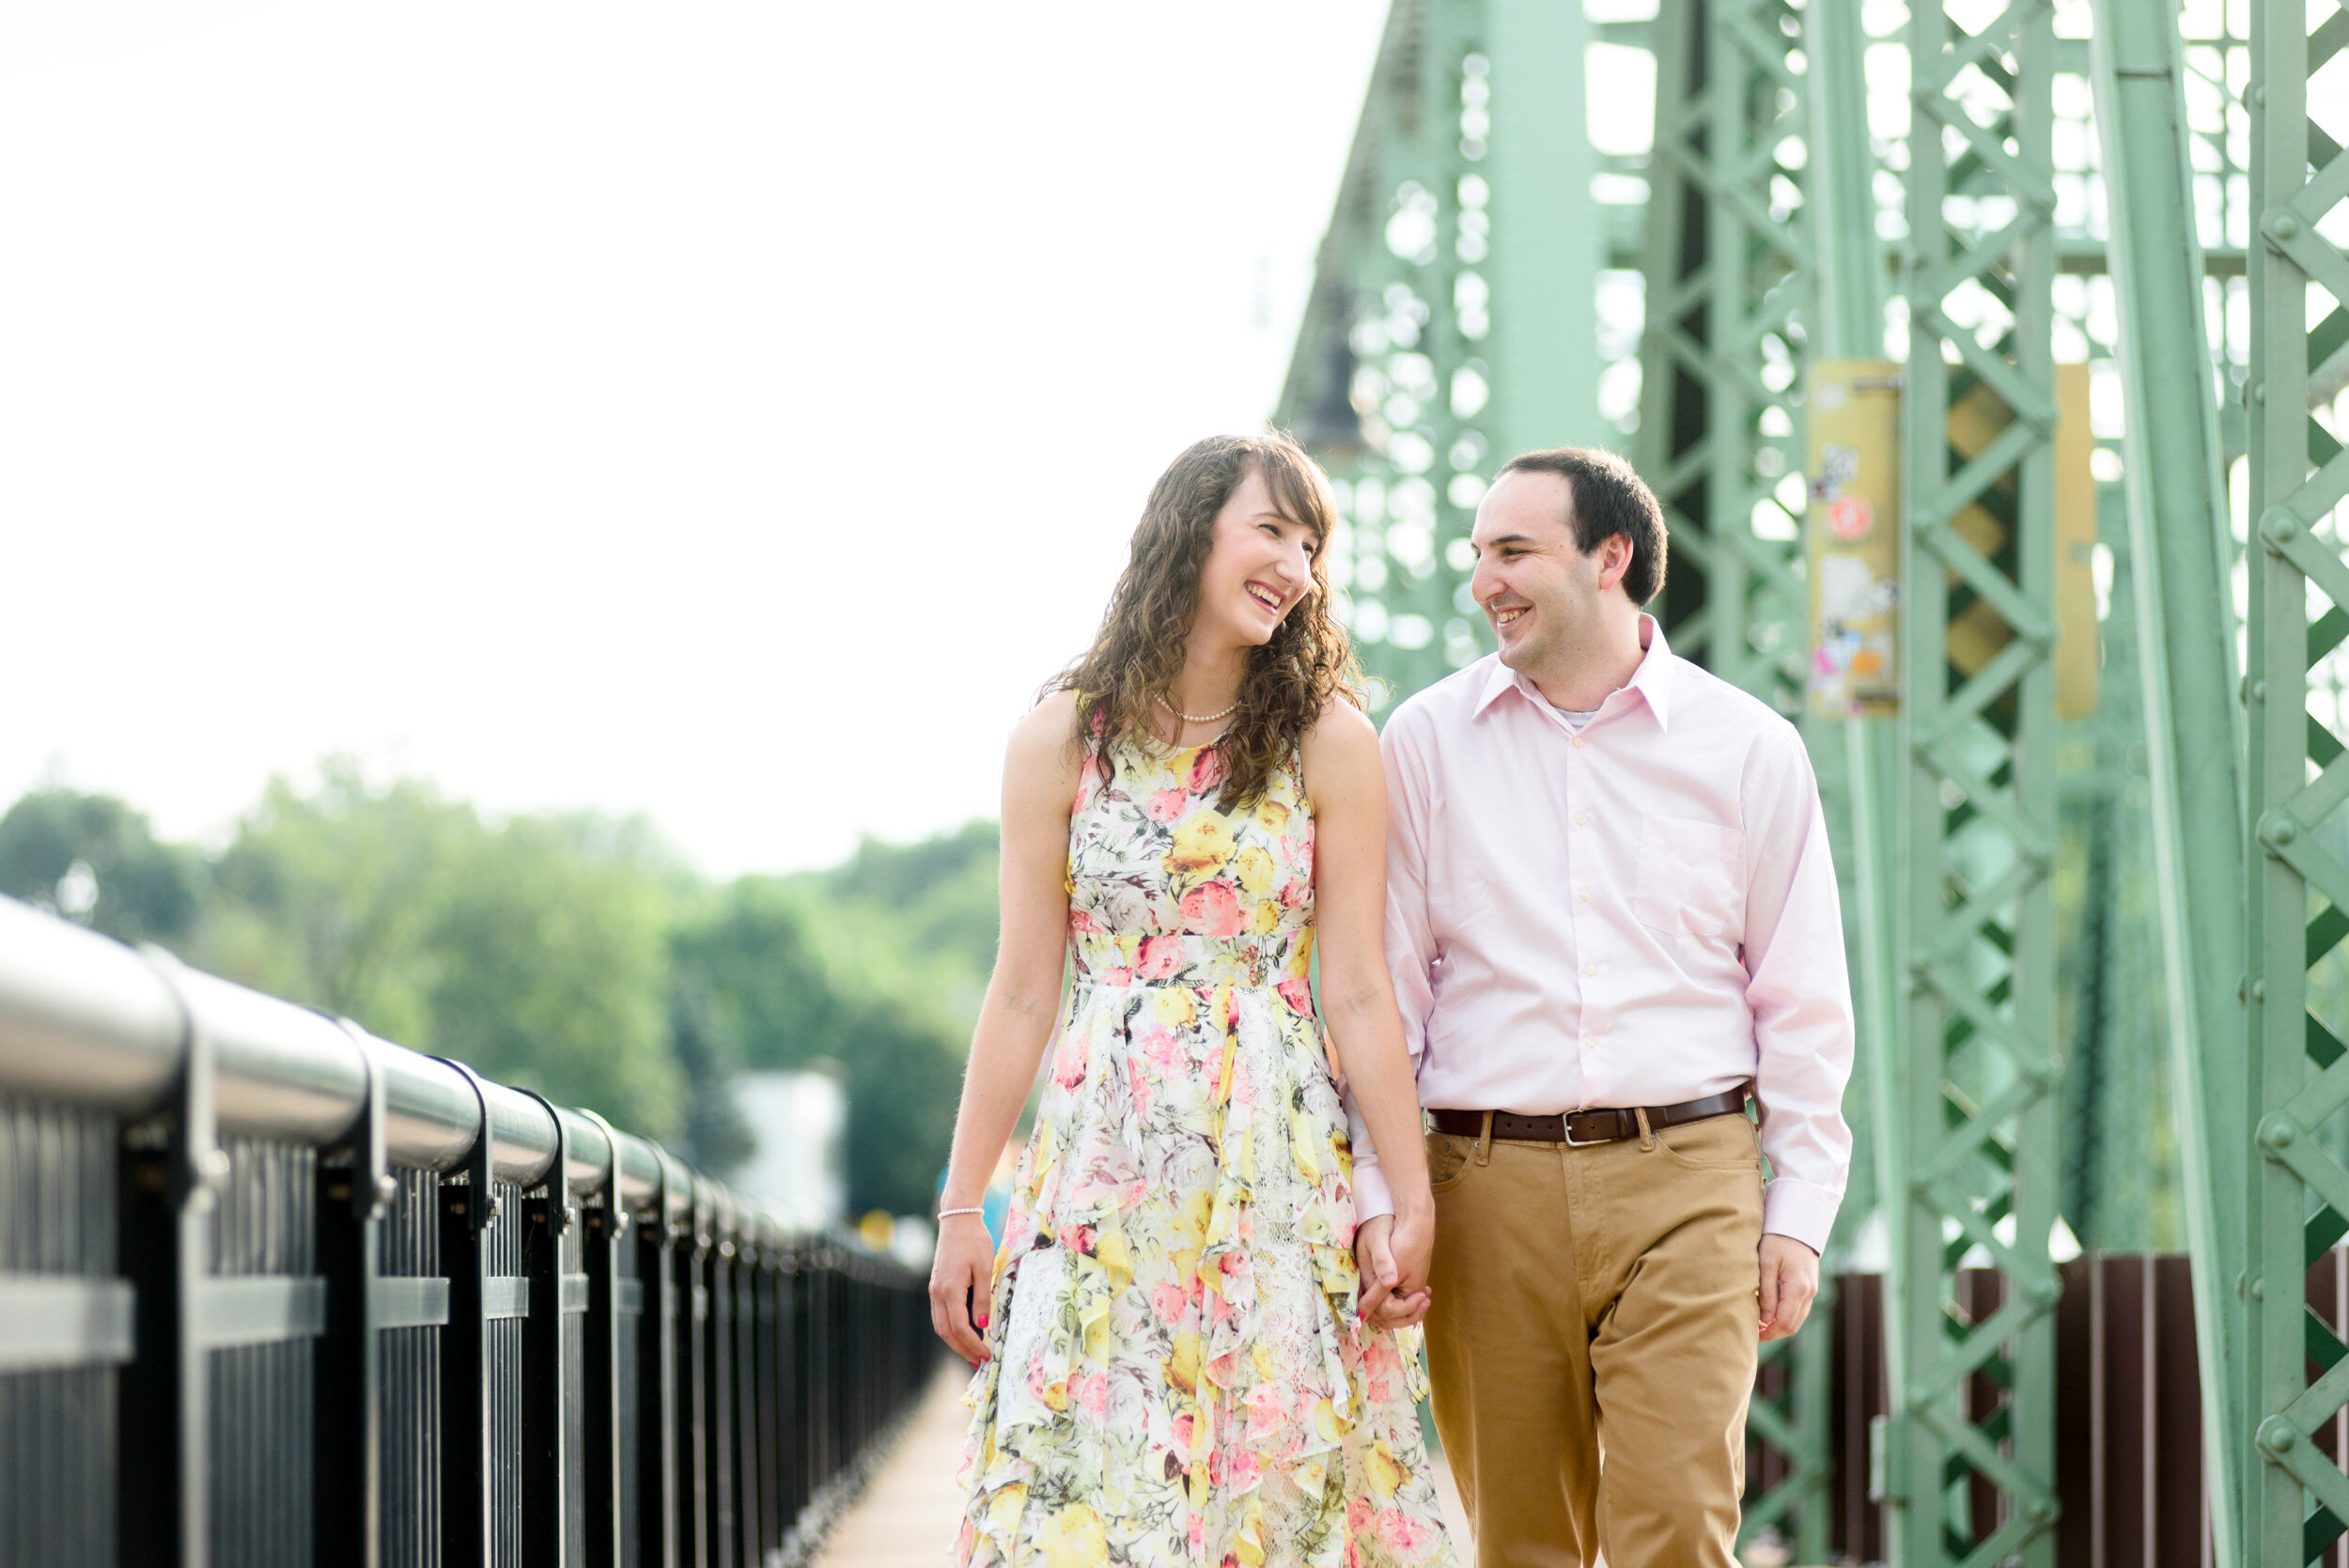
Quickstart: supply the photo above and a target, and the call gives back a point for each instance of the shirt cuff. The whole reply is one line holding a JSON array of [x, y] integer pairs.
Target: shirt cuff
[[1371, 1197], [1798, 1209]]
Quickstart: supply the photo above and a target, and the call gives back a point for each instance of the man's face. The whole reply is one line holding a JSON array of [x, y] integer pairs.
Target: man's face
[[1540, 594]]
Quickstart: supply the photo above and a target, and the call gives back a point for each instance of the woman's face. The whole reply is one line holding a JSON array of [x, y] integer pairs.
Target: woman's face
[[1259, 566]]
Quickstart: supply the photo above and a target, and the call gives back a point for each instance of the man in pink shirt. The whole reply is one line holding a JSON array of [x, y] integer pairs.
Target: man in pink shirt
[[1610, 917]]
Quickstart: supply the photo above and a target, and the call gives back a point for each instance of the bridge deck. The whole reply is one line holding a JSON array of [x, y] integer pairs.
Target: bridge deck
[[909, 1514]]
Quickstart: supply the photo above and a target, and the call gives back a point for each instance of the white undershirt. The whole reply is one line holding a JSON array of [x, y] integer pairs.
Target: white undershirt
[[1575, 721]]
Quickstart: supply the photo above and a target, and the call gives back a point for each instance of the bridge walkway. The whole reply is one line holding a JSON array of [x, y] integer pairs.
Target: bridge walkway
[[909, 1513]]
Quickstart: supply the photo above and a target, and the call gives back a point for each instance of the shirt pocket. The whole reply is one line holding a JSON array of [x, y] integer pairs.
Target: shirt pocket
[[1690, 877]]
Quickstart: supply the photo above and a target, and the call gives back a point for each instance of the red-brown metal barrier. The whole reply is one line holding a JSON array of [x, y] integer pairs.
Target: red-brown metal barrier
[[2128, 1411]]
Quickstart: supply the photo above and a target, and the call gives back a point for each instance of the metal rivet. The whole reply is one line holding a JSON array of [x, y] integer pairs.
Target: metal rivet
[[2044, 1511], [2280, 524], [2258, 393], [2259, 990], [2259, 1290], [2258, 690], [2278, 1131], [2277, 1436], [2280, 830], [2284, 226]]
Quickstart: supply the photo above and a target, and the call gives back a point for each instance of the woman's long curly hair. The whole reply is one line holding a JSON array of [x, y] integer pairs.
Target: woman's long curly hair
[[1137, 653]]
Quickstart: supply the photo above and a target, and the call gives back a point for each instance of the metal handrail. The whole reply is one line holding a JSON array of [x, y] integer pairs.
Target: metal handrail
[[87, 1022], [155, 1129]]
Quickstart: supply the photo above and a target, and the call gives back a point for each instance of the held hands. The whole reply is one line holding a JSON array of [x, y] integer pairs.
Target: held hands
[[1394, 1252], [1790, 1280], [961, 1276]]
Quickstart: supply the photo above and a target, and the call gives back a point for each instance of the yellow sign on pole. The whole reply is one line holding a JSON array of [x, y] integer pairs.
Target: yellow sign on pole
[[1977, 631], [1852, 538], [2078, 654]]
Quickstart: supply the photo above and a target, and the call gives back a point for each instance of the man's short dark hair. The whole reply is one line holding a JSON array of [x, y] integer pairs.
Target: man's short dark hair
[[1608, 498]]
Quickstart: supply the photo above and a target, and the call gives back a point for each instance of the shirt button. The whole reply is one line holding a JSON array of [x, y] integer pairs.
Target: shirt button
[[1590, 968], [1582, 819], [1583, 897], [1578, 742], [1590, 1039]]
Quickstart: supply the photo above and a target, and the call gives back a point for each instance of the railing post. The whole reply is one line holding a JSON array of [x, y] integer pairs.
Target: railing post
[[718, 1382], [748, 1494], [546, 1219], [693, 1389], [468, 1214], [171, 1173], [657, 1485], [600, 1392], [346, 1488], [768, 1319], [796, 1403]]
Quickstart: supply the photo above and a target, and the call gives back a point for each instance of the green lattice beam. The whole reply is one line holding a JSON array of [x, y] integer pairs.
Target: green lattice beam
[[2294, 1497], [1974, 1172]]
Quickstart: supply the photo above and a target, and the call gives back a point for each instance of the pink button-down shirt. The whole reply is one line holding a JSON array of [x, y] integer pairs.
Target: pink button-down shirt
[[1637, 914]]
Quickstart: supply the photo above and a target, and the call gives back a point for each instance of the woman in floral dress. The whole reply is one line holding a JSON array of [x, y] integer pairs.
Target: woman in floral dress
[[1178, 1361]]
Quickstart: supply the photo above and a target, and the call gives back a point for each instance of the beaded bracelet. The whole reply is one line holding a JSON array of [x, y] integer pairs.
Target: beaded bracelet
[[949, 1214]]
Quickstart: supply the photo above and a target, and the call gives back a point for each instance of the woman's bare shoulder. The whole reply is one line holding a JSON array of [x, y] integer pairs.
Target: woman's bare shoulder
[[1342, 747], [1043, 750], [1342, 731]]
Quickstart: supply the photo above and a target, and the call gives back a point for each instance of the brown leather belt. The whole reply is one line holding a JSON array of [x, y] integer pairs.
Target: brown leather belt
[[1579, 1127]]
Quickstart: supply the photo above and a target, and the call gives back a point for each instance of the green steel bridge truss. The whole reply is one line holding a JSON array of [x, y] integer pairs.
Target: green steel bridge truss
[[2161, 193], [2295, 1366]]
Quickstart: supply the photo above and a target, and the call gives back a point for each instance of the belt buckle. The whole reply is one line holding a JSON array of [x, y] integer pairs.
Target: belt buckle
[[1565, 1125]]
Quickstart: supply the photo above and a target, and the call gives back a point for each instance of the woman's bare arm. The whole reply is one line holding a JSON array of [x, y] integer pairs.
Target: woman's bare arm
[[1040, 772], [1348, 790]]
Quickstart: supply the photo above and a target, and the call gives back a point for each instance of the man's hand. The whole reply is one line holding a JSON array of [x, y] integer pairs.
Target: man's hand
[[1394, 1266], [1790, 1282], [961, 1275]]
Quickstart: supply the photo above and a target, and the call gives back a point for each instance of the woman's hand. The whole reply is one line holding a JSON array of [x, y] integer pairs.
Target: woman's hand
[[1386, 1301], [1413, 1241], [962, 1273]]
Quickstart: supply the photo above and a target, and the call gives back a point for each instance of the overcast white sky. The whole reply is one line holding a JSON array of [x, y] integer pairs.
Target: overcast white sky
[[727, 412]]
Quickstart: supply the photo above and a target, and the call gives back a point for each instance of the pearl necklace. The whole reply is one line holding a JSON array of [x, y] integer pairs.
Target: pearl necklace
[[1198, 718]]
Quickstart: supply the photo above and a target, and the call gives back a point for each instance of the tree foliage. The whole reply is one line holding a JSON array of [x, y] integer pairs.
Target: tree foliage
[[874, 968], [93, 859]]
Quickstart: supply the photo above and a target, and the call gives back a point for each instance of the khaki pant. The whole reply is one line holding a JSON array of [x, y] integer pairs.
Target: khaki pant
[[1592, 1343]]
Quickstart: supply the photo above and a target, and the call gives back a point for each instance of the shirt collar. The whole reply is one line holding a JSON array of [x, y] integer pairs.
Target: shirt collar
[[1653, 681]]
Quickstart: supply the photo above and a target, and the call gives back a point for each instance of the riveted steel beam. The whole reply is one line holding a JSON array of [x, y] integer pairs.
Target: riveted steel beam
[[1450, 325], [1971, 1461], [2177, 515], [2297, 1499]]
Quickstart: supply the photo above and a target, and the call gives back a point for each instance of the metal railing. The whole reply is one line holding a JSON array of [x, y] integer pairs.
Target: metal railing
[[274, 1291]]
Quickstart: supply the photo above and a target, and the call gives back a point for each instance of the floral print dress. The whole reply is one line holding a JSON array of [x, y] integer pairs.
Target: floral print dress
[[1176, 1372]]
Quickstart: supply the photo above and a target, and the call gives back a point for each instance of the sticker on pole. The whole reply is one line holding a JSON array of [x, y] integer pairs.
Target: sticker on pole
[[1850, 517]]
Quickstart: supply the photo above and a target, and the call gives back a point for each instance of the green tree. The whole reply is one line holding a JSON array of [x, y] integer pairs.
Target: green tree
[[551, 971], [93, 859], [782, 974], [329, 898], [923, 916], [536, 951]]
